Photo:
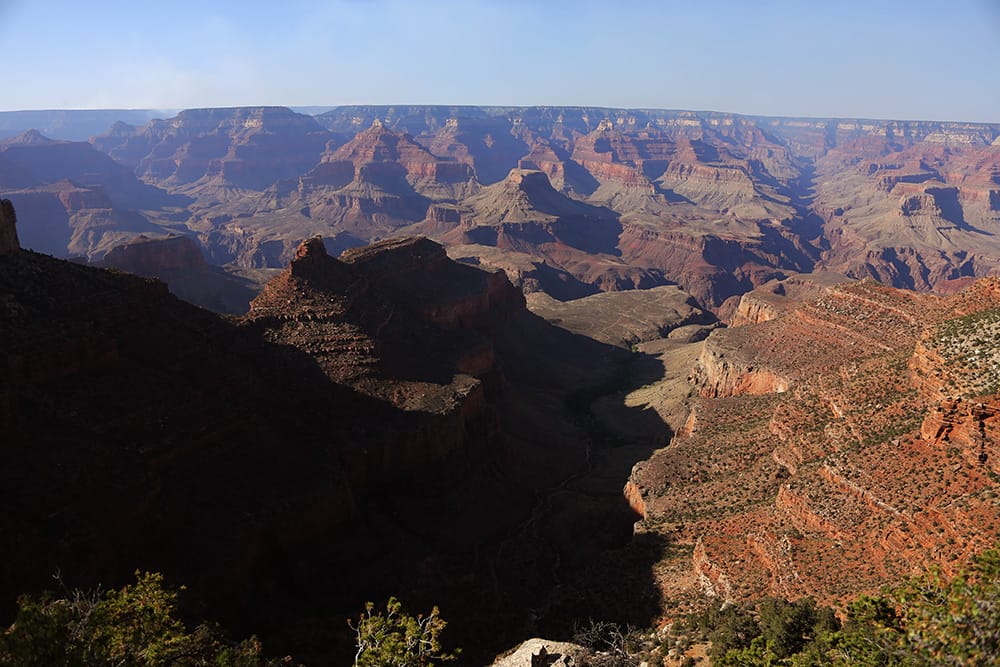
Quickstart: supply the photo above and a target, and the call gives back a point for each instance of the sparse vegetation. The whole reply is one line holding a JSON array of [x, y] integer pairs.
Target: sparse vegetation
[[138, 626], [135, 626], [397, 639], [970, 345], [927, 621]]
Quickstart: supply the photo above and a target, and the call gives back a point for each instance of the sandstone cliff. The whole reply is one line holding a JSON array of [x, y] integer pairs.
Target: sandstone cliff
[[77, 200], [773, 299], [717, 203], [863, 471], [247, 148]]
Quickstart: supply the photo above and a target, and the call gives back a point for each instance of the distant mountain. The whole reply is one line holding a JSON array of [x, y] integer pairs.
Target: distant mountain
[[716, 203], [75, 124], [219, 149], [79, 201]]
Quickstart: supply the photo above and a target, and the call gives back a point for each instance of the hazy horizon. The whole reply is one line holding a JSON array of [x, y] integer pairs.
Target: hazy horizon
[[886, 60], [316, 109]]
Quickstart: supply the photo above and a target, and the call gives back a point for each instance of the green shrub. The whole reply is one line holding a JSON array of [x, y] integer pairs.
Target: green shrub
[[136, 626], [396, 639]]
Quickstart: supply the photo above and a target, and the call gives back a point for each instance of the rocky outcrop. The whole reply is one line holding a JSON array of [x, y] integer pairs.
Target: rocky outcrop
[[249, 147], [8, 229], [79, 201], [150, 257], [754, 310], [623, 318], [861, 473], [546, 653], [352, 312], [773, 299], [726, 369], [634, 498], [423, 269], [717, 203]]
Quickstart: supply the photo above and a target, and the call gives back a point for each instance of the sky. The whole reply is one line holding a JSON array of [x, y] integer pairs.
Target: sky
[[913, 59]]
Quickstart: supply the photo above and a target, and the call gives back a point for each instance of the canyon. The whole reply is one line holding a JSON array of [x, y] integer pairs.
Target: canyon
[[570, 200], [386, 422], [841, 437], [538, 365]]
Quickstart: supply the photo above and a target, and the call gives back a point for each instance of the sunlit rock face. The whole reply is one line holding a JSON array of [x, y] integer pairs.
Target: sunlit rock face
[[844, 436], [599, 200]]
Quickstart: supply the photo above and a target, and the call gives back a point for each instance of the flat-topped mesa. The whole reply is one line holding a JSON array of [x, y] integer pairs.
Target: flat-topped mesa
[[449, 294], [396, 256], [8, 231], [528, 178], [149, 256]]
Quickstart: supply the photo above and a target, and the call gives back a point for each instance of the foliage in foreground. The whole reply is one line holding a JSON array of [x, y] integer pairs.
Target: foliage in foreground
[[136, 626], [396, 639], [924, 622]]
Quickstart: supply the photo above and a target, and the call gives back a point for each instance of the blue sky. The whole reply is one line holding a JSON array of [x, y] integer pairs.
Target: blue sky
[[911, 59]]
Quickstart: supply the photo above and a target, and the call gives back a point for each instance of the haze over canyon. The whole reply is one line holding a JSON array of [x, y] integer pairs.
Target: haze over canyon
[[539, 365]]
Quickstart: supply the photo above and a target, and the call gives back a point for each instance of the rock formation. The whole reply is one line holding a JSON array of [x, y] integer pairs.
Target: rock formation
[[179, 262], [544, 653], [914, 215], [218, 149], [716, 203], [77, 200], [623, 318], [149, 257], [826, 457], [305, 445], [525, 214]]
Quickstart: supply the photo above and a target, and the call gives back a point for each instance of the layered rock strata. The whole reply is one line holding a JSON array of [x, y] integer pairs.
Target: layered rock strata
[[851, 471]]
